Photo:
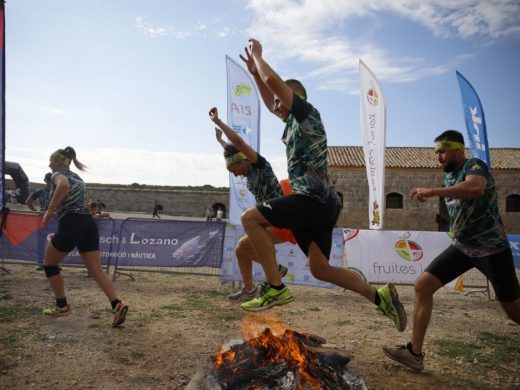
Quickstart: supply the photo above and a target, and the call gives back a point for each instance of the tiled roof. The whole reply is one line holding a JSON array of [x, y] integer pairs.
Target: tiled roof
[[415, 157]]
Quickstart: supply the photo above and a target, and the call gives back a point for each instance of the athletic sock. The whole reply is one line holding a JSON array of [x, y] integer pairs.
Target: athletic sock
[[377, 299], [114, 303], [409, 347], [61, 302], [279, 288]]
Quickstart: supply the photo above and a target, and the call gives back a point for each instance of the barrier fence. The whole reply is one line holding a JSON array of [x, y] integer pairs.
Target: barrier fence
[[208, 248]]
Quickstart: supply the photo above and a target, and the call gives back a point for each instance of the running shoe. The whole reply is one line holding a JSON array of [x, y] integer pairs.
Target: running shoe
[[243, 295], [391, 306], [402, 354], [282, 269], [284, 273], [268, 298], [57, 311], [119, 314]]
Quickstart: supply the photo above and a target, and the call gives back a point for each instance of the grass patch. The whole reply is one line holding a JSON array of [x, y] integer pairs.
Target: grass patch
[[230, 315], [488, 352], [314, 308], [7, 312], [9, 347]]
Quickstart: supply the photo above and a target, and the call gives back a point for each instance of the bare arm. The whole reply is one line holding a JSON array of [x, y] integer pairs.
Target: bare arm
[[233, 137], [62, 187], [269, 77], [473, 186], [218, 136], [266, 94]]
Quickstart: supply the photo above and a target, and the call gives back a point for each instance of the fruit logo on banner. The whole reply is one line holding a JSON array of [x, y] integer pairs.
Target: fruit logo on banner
[[408, 249]]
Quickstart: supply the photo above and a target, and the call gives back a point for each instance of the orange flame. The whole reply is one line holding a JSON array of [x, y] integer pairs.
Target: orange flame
[[269, 334]]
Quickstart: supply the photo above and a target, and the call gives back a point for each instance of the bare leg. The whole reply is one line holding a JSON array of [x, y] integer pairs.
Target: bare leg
[[92, 261], [425, 286], [256, 226], [322, 270], [51, 257], [512, 309], [246, 255]]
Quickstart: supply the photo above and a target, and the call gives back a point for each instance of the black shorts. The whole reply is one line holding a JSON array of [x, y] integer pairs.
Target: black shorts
[[498, 268], [308, 219], [76, 230]]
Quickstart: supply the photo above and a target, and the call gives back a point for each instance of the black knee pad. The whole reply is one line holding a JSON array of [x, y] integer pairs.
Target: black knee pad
[[51, 270]]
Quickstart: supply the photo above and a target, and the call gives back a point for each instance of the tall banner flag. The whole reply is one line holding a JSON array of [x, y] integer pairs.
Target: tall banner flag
[[475, 121], [243, 116], [2, 107], [373, 128]]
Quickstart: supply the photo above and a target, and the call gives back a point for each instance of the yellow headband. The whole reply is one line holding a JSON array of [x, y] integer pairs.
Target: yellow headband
[[444, 145], [58, 156], [234, 158]]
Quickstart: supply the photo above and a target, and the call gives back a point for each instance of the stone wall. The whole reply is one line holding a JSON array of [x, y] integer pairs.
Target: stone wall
[[175, 202], [414, 215], [352, 182]]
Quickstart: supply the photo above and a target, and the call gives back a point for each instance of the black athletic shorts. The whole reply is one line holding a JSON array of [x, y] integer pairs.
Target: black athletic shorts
[[499, 268], [308, 219], [76, 230]]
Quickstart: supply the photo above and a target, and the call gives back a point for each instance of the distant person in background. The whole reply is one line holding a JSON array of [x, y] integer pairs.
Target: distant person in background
[[243, 160], [96, 211], [210, 214], [220, 214], [42, 196], [76, 228], [156, 208]]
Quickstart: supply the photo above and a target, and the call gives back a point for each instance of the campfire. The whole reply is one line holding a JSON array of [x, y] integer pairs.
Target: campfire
[[273, 357]]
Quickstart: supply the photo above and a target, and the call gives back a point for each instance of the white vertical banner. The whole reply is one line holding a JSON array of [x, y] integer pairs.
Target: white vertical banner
[[243, 116], [373, 128]]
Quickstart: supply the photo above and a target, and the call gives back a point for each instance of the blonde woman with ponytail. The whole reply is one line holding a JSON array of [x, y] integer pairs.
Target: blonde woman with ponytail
[[76, 228]]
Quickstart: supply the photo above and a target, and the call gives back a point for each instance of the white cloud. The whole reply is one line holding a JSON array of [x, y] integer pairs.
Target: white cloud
[[152, 31], [199, 29], [306, 31], [463, 18]]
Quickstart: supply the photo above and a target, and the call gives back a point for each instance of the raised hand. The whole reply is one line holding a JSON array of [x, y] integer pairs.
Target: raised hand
[[255, 48], [251, 66], [213, 115]]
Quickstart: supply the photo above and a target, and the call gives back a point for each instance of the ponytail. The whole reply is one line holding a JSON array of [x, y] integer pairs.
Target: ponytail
[[71, 153]]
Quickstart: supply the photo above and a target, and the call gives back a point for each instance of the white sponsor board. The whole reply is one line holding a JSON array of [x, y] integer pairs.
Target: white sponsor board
[[392, 256], [287, 254]]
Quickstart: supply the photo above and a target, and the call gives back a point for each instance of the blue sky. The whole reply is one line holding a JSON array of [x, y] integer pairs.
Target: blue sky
[[129, 83]]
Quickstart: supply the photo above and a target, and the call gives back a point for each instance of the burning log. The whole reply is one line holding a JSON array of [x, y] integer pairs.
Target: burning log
[[283, 362]]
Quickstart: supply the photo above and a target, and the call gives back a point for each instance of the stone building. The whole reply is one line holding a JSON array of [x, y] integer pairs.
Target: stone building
[[408, 167]]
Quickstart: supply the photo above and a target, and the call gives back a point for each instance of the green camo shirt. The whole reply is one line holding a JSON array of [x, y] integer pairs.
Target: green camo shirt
[[475, 223], [306, 147], [262, 181], [76, 199], [43, 195]]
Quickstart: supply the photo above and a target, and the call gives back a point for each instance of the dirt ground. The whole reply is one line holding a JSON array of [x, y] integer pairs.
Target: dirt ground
[[176, 322]]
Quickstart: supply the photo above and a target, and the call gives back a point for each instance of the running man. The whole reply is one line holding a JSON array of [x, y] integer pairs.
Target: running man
[[243, 160], [311, 212], [479, 241], [76, 228]]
